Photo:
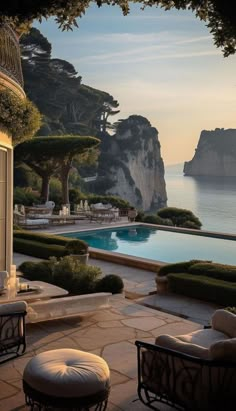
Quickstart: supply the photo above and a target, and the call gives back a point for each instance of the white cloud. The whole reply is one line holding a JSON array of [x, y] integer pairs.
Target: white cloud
[[137, 56]]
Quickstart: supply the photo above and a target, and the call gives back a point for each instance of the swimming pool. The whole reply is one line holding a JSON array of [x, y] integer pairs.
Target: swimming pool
[[160, 245]]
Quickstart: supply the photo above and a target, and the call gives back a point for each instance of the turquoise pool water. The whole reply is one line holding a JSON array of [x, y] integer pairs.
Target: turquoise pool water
[[155, 244]]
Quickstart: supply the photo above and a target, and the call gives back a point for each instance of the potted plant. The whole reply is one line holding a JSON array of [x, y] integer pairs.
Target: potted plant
[[78, 249]]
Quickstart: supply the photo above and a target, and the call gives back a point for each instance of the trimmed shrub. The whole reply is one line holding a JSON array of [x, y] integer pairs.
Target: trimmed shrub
[[180, 217], [190, 224], [58, 246], [27, 267], [37, 249], [68, 273], [76, 247], [140, 216], [181, 267], [214, 270], [203, 288], [37, 271], [111, 283], [152, 219], [77, 278], [43, 238]]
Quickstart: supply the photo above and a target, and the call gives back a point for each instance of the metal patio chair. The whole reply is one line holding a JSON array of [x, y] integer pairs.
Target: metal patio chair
[[12, 330]]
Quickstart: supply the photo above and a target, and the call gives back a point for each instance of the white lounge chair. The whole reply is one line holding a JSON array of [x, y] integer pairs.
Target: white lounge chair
[[24, 222]]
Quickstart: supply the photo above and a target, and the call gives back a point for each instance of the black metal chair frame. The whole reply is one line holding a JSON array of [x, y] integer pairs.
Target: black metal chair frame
[[42, 402], [11, 324], [195, 365]]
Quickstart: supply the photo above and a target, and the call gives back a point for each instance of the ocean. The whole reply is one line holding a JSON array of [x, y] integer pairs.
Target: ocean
[[211, 199]]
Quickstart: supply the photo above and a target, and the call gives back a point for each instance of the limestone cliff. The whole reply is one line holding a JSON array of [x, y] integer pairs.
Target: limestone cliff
[[131, 160], [215, 154]]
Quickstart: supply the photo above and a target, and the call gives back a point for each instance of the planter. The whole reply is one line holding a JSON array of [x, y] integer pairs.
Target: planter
[[162, 284], [83, 258]]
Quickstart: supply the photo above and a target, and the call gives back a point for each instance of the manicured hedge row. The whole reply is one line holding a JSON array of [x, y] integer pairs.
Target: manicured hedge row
[[44, 238], [37, 249], [203, 288], [220, 271], [182, 267], [46, 245]]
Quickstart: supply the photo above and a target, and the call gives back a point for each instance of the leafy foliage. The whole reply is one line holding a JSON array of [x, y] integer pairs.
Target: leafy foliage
[[180, 267], [111, 283], [203, 288], [220, 271], [18, 116], [77, 247], [68, 273], [67, 105], [77, 278], [46, 245], [24, 196], [37, 271], [180, 217], [50, 155], [218, 15]]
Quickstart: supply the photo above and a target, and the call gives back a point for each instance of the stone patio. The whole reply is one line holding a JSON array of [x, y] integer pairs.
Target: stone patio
[[108, 333]]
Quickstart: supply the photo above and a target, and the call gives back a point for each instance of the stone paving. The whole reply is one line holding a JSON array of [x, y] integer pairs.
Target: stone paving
[[109, 333]]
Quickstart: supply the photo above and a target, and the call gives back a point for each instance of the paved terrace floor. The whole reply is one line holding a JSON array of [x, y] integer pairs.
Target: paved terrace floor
[[109, 333]]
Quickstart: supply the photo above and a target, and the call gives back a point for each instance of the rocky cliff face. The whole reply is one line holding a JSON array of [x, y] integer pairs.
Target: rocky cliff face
[[215, 154], [134, 165]]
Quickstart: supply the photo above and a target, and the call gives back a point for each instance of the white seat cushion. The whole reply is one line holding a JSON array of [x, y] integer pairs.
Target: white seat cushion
[[224, 350], [36, 221], [9, 308], [204, 338], [225, 322], [67, 373], [173, 343]]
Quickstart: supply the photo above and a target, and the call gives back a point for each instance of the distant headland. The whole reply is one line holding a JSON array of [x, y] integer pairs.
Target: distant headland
[[215, 154]]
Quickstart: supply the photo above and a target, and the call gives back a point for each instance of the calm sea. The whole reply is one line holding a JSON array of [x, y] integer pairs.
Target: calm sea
[[212, 199]]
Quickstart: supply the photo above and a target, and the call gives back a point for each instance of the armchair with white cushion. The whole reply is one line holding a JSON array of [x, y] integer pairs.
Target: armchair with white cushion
[[196, 371]]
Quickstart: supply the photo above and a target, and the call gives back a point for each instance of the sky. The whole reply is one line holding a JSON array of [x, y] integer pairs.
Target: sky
[[158, 64]]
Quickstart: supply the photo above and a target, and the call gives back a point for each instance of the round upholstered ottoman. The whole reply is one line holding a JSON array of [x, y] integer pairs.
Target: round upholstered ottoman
[[66, 378]]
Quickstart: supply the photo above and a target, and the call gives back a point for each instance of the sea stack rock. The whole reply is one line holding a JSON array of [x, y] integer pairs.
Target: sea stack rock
[[135, 166], [215, 154]]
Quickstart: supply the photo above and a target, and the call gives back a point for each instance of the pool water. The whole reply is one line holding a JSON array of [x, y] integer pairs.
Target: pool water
[[159, 245]]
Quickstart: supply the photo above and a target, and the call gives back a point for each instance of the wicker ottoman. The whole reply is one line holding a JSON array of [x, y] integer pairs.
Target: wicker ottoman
[[66, 379]]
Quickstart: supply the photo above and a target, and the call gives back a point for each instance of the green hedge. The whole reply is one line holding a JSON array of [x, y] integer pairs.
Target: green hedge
[[203, 288], [220, 271], [180, 217], [181, 267], [111, 283], [37, 249], [42, 238], [37, 271], [46, 245], [68, 273]]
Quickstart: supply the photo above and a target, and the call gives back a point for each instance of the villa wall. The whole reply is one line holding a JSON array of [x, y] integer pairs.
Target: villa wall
[[6, 206], [10, 78]]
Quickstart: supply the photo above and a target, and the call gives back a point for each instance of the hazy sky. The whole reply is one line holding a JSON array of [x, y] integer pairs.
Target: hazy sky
[[162, 65]]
